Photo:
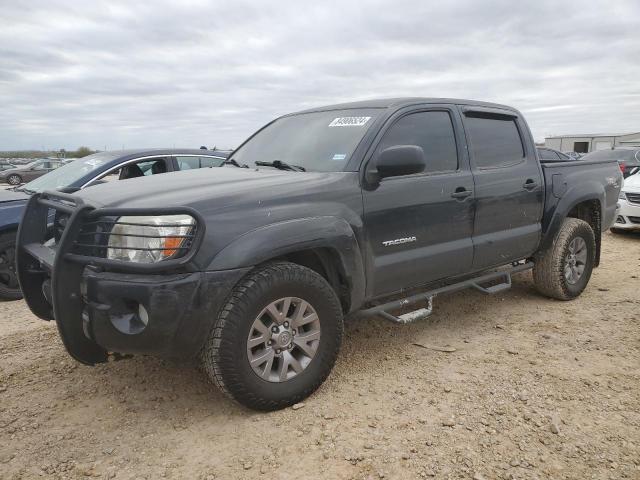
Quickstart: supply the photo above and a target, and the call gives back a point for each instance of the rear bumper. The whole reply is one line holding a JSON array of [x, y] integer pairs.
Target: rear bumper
[[627, 216]]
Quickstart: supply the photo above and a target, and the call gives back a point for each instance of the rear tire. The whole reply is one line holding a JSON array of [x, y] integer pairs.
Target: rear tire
[[251, 326], [9, 287], [563, 270], [14, 179]]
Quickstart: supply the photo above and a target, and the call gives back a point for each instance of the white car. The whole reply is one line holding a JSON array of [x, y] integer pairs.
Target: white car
[[628, 213]]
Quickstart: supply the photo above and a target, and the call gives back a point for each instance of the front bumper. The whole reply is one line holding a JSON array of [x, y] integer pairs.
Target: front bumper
[[102, 307], [627, 216], [164, 315]]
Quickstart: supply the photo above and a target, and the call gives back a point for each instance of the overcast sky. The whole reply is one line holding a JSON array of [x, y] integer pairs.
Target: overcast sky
[[191, 73]]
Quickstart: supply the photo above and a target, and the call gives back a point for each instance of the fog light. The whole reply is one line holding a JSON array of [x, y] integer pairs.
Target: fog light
[[132, 319]]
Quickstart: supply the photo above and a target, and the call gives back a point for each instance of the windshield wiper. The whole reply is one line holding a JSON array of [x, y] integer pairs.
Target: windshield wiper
[[280, 165]]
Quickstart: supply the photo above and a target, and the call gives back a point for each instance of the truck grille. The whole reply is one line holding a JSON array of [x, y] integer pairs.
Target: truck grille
[[634, 198]]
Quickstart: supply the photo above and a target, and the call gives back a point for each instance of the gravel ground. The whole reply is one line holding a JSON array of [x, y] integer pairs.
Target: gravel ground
[[535, 388]]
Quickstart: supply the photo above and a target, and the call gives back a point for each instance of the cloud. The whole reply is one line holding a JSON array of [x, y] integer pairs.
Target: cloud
[[190, 73]]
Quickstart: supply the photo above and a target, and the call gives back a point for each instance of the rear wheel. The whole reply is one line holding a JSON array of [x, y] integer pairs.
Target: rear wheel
[[14, 179], [564, 269], [276, 339], [9, 287]]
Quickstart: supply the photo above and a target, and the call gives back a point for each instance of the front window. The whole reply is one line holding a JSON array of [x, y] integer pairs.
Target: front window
[[317, 141]]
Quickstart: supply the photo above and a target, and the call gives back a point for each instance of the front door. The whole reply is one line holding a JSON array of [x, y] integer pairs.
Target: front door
[[419, 227]]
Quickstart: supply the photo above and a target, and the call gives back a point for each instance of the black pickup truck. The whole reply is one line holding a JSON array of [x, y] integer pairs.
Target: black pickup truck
[[366, 208]]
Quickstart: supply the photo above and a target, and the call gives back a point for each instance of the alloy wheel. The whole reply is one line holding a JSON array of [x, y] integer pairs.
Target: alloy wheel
[[283, 339]]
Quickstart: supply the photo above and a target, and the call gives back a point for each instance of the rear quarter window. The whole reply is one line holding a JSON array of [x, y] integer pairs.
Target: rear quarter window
[[495, 140]]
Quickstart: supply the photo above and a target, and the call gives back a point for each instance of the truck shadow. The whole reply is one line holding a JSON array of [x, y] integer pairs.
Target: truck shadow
[[169, 389]]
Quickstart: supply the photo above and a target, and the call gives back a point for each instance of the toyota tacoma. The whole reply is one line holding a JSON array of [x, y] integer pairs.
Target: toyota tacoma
[[367, 208]]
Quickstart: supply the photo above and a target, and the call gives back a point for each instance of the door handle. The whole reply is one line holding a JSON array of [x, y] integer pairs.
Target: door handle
[[461, 192], [530, 184]]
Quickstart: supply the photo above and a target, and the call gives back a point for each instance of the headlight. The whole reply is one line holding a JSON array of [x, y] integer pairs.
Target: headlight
[[622, 195], [150, 239]]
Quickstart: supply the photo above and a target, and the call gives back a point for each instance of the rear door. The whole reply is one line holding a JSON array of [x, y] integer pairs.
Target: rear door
[[508, 186], [418, 227]]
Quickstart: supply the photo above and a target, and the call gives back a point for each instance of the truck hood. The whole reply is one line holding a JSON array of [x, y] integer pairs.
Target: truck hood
[[8, 196], [214, 187]]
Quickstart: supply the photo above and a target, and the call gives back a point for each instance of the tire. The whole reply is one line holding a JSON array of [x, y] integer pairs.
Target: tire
[[271, 386], [617, 231], [14, 179], [553, 274], [9, 287]]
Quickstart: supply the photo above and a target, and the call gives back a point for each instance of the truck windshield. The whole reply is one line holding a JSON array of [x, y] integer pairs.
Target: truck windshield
[[317, 141], [70, 173]]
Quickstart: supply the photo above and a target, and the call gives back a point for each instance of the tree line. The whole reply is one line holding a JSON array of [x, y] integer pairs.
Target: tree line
[[62, 153]]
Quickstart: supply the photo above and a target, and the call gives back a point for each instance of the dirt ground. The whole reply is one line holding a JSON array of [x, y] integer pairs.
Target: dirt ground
[[535, 388]]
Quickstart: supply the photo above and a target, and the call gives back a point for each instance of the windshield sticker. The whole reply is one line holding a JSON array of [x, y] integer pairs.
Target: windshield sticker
[[349, 121], [339, 156]]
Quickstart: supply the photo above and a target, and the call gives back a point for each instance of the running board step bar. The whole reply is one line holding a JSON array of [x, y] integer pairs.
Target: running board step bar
[[478, 283]]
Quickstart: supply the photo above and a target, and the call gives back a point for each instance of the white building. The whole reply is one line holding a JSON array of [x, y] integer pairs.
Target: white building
[[589, 143]]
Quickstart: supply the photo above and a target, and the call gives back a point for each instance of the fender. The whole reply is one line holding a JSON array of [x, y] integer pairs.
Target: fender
[[587, 191], [10, 215], [282, 238]]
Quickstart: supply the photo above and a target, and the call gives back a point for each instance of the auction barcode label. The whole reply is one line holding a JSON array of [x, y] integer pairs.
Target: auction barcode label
[[349, 121]]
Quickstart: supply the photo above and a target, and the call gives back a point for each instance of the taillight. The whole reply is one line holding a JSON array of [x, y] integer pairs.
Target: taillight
[[622, 165]]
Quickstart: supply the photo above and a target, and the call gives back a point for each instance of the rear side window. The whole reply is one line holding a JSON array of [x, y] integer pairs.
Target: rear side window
[[191, 163], [495, 140], [210, 162], [433, 131]]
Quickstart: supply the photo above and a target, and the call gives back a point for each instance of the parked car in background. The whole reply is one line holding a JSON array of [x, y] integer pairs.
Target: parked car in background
[[551, 155], [6, 166], [345, 209], [18, 175], [574, 155], [628, 158], [628, 213], [83, 173]]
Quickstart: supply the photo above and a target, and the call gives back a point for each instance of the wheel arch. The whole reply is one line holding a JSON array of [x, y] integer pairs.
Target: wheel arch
[[327, 245], [585, 203]]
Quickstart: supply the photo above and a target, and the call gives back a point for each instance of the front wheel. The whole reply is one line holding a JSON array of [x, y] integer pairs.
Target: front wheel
[[277, 338], [14, 179], [563, 270]]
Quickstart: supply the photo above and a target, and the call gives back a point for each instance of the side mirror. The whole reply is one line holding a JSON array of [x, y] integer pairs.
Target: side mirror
[[400, 160]]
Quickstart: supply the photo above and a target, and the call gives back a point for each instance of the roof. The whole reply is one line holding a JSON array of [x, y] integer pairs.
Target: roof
[[401, 102], [593, 135], [164, 151]]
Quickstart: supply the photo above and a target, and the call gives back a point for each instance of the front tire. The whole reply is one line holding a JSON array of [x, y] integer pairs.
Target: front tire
[[9, 287], [277, 338], [563, 270], [14, 179]]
